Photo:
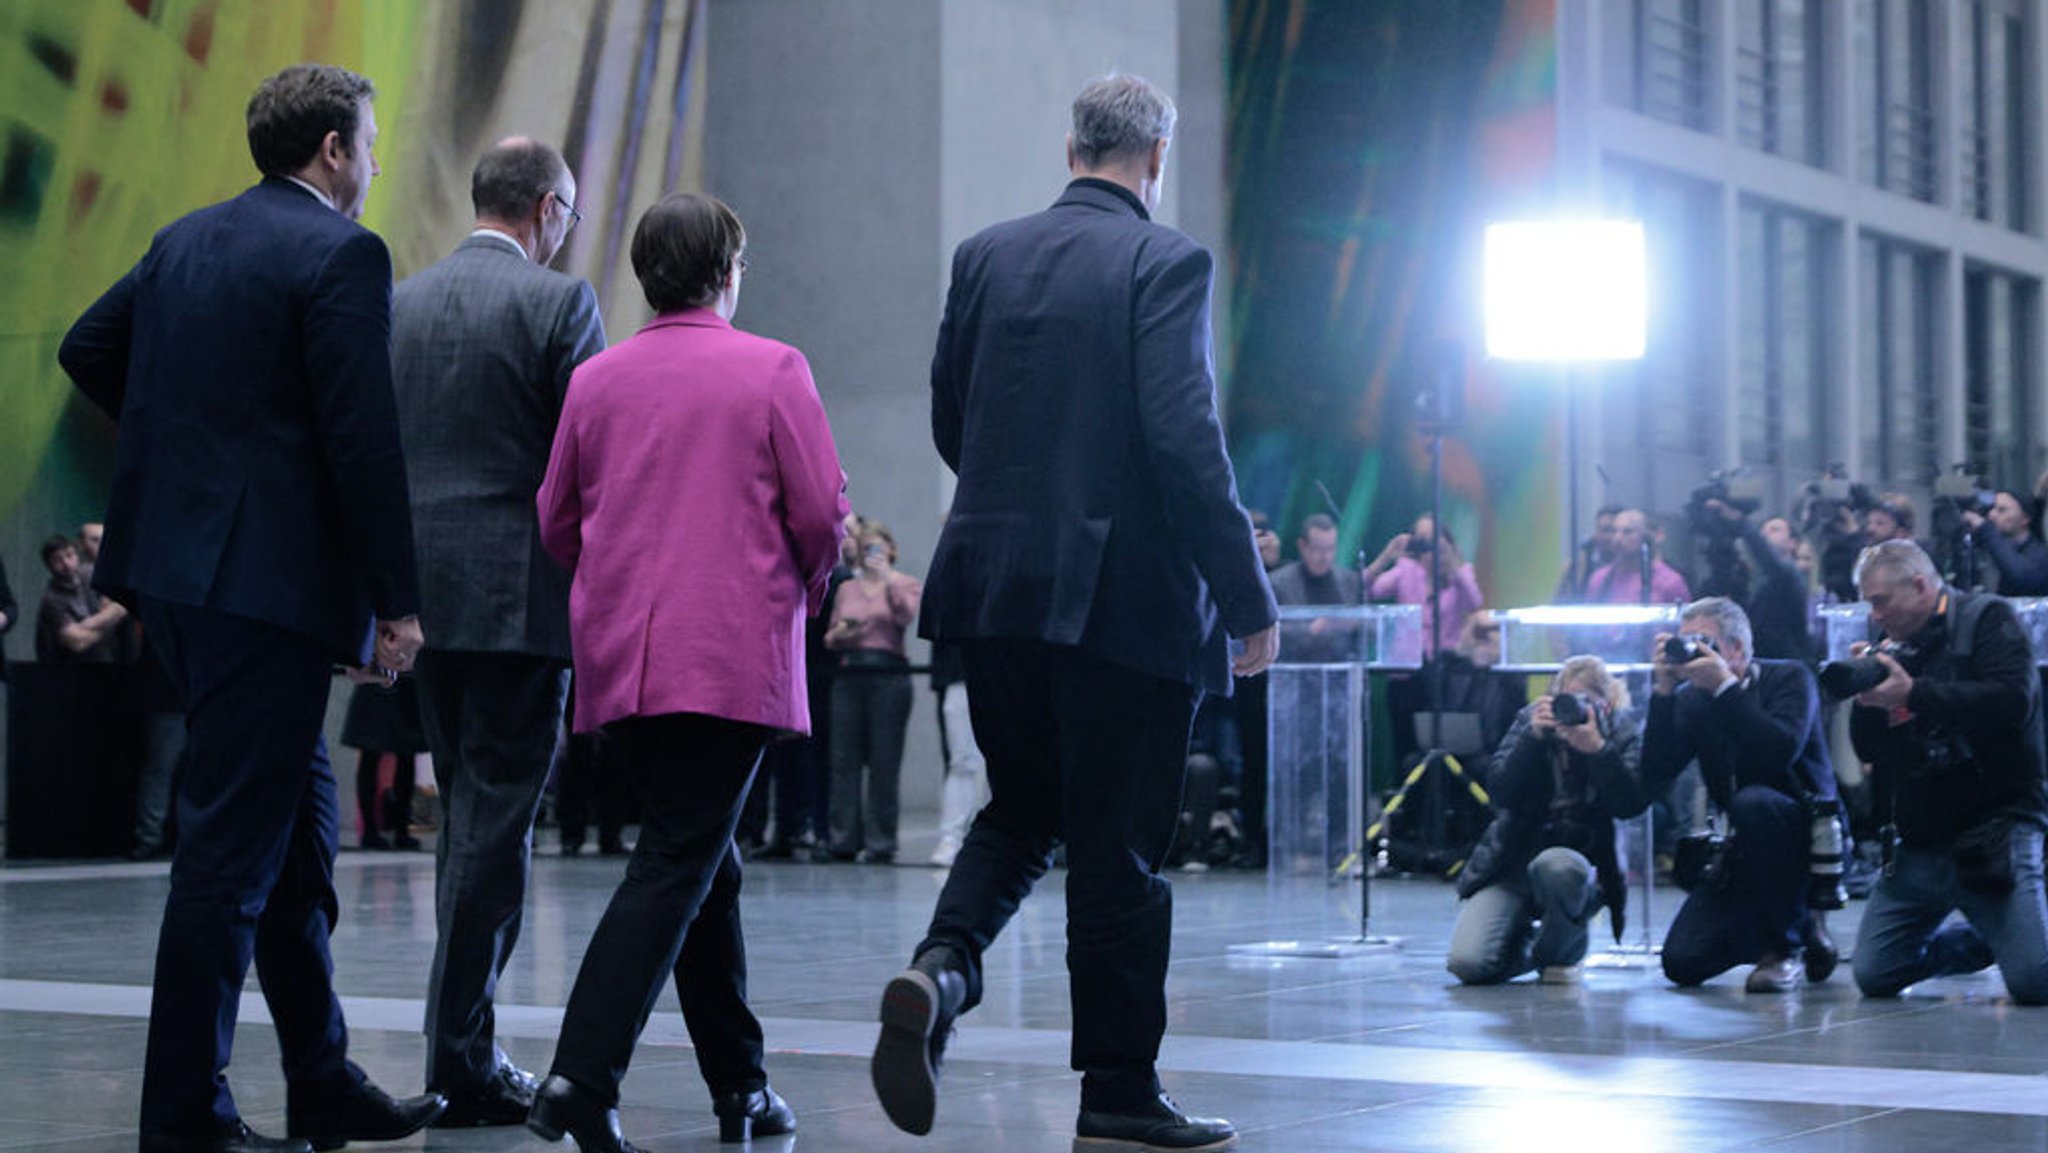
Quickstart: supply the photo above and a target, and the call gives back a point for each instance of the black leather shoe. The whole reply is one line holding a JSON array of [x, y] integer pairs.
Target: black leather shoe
[[745, 1116], [918, 1007], [234, 1138], [1157, 1126], [1820, 952], [503, 1100], [362, 1112], [562, 1106]]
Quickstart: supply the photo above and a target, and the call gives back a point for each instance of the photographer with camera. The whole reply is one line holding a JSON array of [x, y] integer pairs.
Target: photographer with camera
[[1947, 714], [2004, 535], [1756, 572], [1636, 575], [1755, 727], [1565, 772]]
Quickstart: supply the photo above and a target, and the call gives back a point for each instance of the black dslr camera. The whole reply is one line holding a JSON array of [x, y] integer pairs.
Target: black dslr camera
[[1421, 546], [1570, 709], [1844, 679], [1685, 649]]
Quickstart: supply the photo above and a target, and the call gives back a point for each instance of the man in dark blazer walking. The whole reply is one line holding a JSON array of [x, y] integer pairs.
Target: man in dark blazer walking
[[1094, 567], [484, 342], [258, 523]]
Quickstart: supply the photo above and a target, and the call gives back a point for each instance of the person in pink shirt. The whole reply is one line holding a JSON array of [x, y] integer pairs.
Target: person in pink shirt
[[1401, 574], [691, 440], [870, 698], [1620, 581]]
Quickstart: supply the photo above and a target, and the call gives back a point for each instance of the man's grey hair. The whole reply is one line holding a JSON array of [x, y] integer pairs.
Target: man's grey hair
[[1118, 117], [1732, 621], [1897, 560], [512, 177]]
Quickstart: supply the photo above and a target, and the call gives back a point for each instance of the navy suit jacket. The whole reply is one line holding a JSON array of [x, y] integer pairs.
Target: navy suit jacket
[[257, 470], [1072, 393], [1768, 732]]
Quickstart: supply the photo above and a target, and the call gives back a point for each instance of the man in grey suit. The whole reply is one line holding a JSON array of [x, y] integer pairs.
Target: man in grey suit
[[483, 343]]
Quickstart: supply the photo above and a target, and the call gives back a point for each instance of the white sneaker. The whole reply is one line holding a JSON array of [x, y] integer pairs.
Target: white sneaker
[[1561, 975]]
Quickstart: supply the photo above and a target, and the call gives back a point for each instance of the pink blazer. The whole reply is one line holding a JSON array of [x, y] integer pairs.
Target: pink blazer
[[695, 494]]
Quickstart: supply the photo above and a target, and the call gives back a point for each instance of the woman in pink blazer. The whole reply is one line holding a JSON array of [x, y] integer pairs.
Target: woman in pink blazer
[[695, 493]]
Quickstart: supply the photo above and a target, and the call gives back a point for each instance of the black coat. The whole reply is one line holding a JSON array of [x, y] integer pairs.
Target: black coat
[[1522, 782], [1767, 732], [1072, 393], [12, 612], [257, 471], [1991, 699]]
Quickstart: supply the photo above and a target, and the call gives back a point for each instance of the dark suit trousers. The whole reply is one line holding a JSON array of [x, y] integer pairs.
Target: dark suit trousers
[[676, 912], [491, 721], [1762, 907], [253, 873], [1092, 754]]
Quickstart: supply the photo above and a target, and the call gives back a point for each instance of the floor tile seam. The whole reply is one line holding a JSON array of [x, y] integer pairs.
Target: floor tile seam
[[1816, 1130], [1631, 1076]]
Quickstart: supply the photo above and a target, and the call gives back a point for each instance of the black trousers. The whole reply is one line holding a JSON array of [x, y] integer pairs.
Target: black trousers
[[1762, 907], [491, 721], [676, 912], [870, 717], [1093, 754], [252, 877]]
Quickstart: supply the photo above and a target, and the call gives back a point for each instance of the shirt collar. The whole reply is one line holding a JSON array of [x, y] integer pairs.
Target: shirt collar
[[322, 197], [1115, 189], [488, 233]]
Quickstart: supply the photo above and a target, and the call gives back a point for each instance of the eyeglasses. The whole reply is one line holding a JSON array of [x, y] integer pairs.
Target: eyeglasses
[[575, 217]]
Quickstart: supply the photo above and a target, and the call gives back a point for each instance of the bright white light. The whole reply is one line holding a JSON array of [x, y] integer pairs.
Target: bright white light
[[1617, 615], [1566, 290]]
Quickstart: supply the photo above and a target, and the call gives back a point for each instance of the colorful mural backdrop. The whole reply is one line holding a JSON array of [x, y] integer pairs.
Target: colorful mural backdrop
[[1370, 140], [117, 116]]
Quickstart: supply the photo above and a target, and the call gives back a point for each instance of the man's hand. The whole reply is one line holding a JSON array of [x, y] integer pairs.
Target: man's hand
[[1664, 675], [1973, 521], [398, 642], [1891, 692], [1261, 649], [1708, 672], [1542, 721]]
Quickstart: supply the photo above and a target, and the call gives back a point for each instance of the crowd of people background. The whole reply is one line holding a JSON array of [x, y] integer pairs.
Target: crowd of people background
[[305, 483]]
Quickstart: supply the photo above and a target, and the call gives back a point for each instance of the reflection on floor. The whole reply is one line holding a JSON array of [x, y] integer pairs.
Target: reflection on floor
[[1381, 1053]]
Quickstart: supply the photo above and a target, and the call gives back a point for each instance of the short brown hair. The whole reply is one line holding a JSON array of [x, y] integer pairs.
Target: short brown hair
[[294, 110], [684, 248]]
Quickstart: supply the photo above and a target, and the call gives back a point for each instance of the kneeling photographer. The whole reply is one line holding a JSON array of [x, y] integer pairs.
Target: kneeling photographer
[[1948, 717], [1755, 727], [1565, 772]]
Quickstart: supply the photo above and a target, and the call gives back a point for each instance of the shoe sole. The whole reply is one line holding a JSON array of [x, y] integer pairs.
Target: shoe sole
[[1124, 1145], [904, 1079]]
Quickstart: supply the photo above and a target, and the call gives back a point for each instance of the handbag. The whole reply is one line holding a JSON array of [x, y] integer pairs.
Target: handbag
[[1984, 856]]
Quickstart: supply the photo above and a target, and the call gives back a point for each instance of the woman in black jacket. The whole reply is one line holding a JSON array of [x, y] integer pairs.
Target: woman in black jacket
[[1547, 863]]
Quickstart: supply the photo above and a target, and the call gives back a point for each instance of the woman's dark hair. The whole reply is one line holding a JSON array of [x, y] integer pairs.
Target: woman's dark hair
[[684, 248], [293, 111]]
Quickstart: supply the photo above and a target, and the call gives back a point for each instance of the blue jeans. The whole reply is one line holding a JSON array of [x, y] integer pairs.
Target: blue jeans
[[1521, 923], [1902, 940]]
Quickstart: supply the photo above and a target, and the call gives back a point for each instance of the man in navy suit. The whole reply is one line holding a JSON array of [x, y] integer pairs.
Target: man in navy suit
[[1094, 567], [258, 521]]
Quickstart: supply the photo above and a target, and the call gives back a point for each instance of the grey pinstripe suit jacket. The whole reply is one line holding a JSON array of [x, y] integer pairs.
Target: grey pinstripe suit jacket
[[483, 344]]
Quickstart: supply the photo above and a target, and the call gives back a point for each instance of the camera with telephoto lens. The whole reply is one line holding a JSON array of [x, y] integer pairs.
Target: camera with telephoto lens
[[1685, 649], [1844, 679]]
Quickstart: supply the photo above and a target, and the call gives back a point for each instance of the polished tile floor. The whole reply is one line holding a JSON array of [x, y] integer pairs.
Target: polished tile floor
[[1380, 1052]]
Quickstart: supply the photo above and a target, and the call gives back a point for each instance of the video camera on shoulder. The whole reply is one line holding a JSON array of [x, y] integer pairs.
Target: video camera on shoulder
[[1831, 492], [1965, 491], [1732, 487], [1844, 679]]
